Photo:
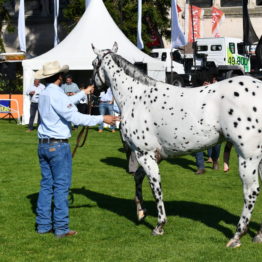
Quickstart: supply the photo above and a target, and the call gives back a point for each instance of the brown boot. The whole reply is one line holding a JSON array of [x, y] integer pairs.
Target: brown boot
[[200, 171]]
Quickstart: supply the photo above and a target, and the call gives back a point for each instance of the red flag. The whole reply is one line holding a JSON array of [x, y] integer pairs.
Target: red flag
[[217, 17], [178, 9], [194, 19]]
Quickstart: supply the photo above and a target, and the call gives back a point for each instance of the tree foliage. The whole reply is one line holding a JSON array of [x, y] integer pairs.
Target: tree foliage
[[4, 18], [124, 12]]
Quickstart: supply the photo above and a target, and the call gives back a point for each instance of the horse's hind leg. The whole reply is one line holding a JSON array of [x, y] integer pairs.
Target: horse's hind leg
[[258, 237], [248, 169], [139, 177], [148, 160]]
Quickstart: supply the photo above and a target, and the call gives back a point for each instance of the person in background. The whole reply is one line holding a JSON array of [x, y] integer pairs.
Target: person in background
[[70, 88], [106, 104], [205, 79], [83, 103], [227, 151], [57, 112], [34, 92]]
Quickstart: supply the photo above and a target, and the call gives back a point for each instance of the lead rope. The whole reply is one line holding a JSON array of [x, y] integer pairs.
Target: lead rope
[[84, 130]]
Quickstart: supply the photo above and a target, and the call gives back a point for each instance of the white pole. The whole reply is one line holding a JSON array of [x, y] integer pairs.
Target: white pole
[[56, 13], [140, 43]]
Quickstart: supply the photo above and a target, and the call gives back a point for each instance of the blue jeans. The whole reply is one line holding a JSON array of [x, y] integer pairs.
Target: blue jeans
[[56, 169], [106, 108], [214, 152], [200, 163]]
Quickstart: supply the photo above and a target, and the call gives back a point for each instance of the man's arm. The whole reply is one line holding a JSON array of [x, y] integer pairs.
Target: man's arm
[[63, 106]]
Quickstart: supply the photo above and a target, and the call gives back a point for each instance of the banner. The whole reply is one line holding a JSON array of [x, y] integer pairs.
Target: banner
[[56, 13], [217, 17], [177, 36], [193, 22], [21, 26], [249, 33], [139, 40]]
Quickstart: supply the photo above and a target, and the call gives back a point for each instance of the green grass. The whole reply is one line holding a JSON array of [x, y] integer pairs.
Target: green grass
[[202, 210]]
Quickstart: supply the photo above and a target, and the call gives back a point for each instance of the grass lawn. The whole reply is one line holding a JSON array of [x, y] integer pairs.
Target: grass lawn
[[202, 210]]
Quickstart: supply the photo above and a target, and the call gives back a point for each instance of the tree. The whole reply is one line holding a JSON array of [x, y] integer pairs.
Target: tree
[[4, 18], [124, 12]]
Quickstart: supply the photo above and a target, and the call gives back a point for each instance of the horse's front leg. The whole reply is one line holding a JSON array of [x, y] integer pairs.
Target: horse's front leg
[[139, 177], [148, 160], [248, 170]]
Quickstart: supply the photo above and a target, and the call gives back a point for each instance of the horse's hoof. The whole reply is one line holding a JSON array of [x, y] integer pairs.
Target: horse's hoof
[[258, 238], [233, 243], [157, 232], [141, 214]]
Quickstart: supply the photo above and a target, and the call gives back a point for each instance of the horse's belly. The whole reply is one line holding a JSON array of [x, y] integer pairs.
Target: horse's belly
[[189, 139]]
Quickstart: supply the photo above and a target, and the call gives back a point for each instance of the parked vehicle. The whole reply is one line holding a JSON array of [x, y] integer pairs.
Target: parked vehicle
[[226, 56]]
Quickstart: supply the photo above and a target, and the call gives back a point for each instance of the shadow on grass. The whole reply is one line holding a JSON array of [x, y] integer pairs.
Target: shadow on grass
[[183, 162], [122, 163], [115, 161], [211, 216]]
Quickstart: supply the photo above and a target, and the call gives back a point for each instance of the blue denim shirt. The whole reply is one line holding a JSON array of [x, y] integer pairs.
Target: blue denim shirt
[[58, 111]]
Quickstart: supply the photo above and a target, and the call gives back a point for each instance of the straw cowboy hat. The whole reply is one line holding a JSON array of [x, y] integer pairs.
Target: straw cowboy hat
[[50, 69]]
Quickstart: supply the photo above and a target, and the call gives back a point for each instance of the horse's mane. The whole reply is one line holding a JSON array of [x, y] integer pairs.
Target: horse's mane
[[132, 70]]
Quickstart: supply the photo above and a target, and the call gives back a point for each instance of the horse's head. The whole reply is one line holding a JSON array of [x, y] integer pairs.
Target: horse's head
[[99, 77]]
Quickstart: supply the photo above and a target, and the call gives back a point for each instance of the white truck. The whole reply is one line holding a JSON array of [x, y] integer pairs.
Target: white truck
[[174, 67], [227, 56]]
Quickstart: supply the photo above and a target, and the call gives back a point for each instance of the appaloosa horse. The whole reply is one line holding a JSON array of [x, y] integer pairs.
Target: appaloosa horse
[[159, 120]]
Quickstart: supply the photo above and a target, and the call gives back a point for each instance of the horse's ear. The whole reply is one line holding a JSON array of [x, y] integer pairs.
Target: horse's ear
[[115, 47], [96, 51]]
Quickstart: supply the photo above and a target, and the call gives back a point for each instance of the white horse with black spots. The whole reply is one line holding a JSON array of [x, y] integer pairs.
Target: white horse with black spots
[[160, 120]]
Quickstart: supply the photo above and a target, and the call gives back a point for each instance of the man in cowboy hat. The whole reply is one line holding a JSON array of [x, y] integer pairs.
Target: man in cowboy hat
[[57, 111]]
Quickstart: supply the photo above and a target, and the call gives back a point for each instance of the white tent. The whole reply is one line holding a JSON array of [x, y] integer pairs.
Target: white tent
[[96, 26]]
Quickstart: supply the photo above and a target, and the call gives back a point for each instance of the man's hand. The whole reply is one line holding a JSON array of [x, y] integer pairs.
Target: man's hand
[[111, 120], [89, 90]]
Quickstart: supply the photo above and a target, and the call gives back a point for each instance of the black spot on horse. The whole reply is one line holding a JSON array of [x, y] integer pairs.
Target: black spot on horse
[[230, 112], [236, 94]]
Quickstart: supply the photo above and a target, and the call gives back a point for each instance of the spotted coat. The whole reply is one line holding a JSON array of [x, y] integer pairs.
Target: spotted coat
[[160, 120]]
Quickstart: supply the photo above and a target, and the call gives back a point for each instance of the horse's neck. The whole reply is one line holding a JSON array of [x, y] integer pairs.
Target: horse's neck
[[124, 87]]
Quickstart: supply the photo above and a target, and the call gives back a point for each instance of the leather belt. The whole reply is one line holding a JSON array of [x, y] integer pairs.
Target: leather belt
[[52, 140]]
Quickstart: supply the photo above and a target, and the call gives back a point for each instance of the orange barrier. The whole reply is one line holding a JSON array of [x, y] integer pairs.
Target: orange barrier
[[19, 99]]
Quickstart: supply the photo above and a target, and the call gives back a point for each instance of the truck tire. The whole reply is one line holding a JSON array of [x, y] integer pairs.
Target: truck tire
[[232, 73], [178, 81]]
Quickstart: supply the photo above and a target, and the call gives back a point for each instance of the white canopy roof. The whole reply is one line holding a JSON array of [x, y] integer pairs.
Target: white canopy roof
[[95, 27]]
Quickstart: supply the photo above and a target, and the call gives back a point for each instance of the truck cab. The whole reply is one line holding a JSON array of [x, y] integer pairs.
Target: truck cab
[[228, 55], [174, 66]]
